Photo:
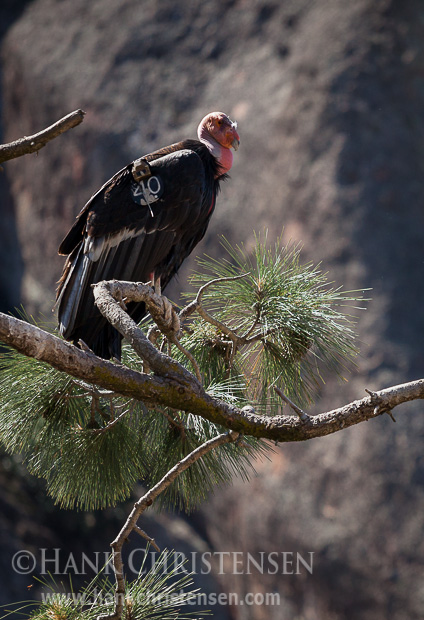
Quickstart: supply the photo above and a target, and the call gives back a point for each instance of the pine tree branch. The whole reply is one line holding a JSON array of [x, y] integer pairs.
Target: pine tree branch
[[144, 502], [32, 144], [174, 386], [193, 305], [210, 319]]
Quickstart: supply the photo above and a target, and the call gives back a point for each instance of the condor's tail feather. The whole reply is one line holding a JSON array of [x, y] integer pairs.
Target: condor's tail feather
[[69, 293], [78, 317]]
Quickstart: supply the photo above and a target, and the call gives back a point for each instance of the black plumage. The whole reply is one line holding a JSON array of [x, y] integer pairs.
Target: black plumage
[[116, 237]]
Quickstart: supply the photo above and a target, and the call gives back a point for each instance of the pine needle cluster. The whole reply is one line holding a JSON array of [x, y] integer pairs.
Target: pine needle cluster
[[92, 448], [287, 316], [163, 592]]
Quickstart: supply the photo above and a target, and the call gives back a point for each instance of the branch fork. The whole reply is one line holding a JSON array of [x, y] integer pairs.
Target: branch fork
[[303, 417], [171, 384], [379, 406]]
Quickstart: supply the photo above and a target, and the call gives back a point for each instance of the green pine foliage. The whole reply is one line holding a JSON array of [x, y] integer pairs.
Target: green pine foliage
[[288, 313], [176, 434], [163, 592], [89, 463], [91, 446], [63, 439]]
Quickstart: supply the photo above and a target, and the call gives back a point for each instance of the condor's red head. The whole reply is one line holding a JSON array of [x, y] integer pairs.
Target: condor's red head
[[219, 133]]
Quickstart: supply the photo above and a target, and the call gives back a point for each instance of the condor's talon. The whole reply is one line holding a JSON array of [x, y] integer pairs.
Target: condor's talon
[[167, 309], [171, 318], [156, 285]]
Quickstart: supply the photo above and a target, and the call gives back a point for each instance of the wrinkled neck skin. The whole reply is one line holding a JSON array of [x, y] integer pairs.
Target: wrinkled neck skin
[[222, 154]]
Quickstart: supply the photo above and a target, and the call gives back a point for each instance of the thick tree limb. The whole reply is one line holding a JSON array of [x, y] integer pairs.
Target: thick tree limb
[[32, 144], [179, 389], [171, 384]]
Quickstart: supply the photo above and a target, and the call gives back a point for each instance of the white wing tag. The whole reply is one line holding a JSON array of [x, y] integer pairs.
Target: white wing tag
[[148, 191]]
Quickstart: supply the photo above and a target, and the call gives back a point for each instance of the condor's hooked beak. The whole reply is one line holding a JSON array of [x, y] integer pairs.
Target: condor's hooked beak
[[236, 138]]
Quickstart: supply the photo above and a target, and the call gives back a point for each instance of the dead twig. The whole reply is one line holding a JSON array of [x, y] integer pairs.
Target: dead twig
[[302, 415], [143, 534], [32, 144], [190, 357], [191, 307]]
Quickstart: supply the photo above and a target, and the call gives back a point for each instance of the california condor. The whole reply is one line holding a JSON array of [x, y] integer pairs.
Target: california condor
[[140, 226]]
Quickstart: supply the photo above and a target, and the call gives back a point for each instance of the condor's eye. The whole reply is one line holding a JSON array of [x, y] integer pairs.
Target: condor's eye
[[220, 121]]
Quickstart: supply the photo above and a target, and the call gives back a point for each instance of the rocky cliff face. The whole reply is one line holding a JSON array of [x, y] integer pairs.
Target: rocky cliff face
[[10, 253], [329, 100]]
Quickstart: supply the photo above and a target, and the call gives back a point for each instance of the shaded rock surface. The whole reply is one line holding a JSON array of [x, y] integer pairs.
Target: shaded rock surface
[[10, 254], [329, 100]]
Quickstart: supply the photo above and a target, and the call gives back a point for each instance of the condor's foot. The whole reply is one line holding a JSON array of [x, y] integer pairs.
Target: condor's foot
[[171, 320], [164, 314]]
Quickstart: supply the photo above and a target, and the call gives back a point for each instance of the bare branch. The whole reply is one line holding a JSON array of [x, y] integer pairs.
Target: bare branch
[[221, 326], [178, 424], [107, 296], [189, 356], [109, 425], [143, 503], [32, 144]]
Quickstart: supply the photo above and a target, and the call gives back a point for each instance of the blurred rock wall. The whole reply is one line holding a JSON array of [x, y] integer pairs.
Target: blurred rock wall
[[329, 98], [10, 253]]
